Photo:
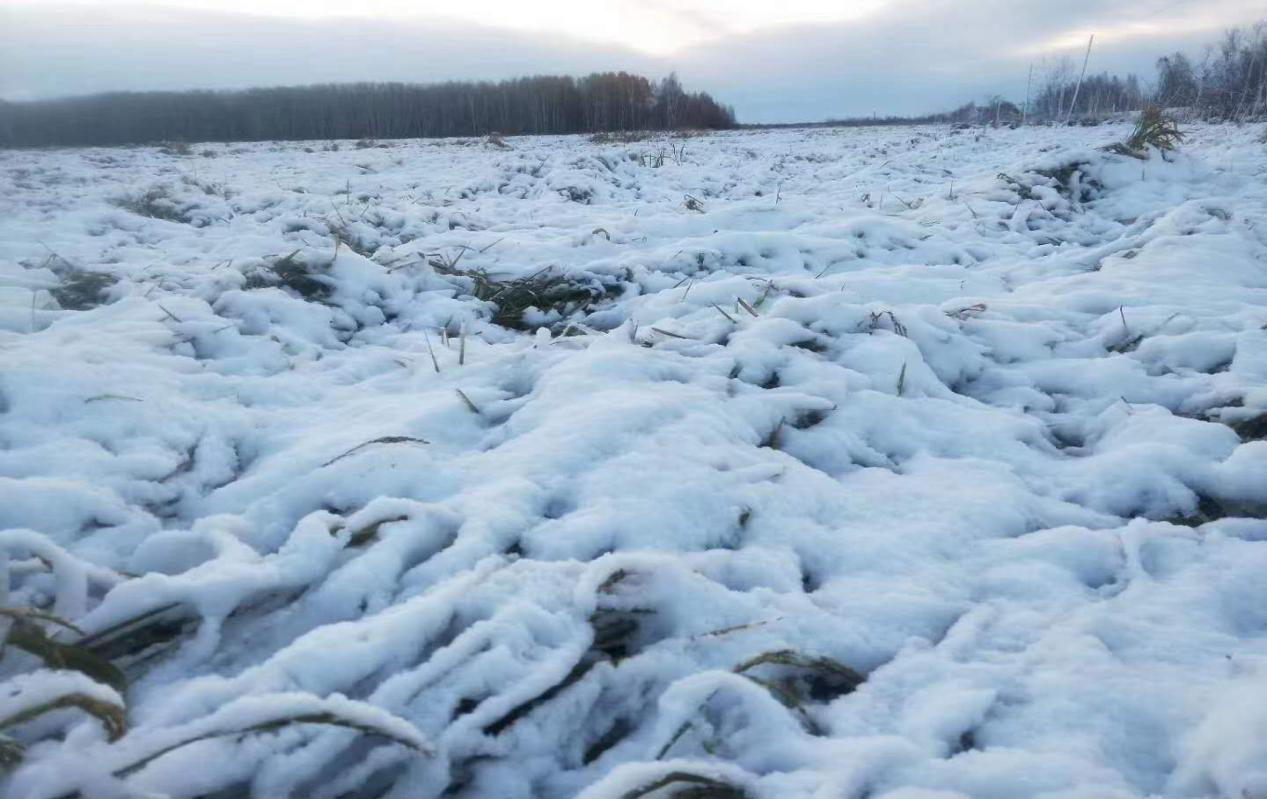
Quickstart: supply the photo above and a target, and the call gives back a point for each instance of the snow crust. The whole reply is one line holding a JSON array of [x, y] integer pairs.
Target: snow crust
[[975, 414]]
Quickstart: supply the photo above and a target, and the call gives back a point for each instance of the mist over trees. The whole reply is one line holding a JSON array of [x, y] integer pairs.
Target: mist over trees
[[608, 101], [1228, 82]]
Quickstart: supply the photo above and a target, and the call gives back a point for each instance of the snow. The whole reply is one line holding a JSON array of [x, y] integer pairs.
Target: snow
[[985, 429]]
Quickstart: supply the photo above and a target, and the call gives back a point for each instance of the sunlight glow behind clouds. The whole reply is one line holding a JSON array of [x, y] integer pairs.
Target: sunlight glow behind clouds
[[655, 27], [1211, 16], [788, 61]]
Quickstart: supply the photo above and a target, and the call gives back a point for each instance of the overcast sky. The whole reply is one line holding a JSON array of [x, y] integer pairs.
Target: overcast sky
[[774, 60]]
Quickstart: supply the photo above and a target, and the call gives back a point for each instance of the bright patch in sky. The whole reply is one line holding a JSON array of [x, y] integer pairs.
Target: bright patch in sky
[[792, 60], [1210, 16], [652, 26]]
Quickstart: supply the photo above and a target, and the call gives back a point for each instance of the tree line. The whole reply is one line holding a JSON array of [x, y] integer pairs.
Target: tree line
[[607, 101], [1227, 82]]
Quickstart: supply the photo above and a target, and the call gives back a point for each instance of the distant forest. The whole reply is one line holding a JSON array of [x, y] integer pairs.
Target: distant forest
[[609, 101], [1228, 81]]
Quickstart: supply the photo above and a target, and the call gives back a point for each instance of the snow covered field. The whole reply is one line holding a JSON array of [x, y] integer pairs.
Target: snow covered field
[[903, 463]]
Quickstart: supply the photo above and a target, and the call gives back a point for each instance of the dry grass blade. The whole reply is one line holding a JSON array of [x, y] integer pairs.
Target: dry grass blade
[[744, 304], [112, 716], [294, 274], [735, 628], [675, 737], [614, 579], [787, 697], [681, 730], [909, 206], [901, 379], [696, 786], [670, 335], [897, 326], [77, 657], [431, 352], [443, 263], [11, 752], [326, 718], [105, 642], [723, 313], [381, 440], [769, 286], [579, 670], [825, 678], [1128, 343], [39, 615], [775, 439], [474, 408], [964, 313], [370, 532], [81, 291], [789, 657], [615, 636]]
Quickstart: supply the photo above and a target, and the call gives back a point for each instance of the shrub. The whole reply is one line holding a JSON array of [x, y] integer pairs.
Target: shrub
[[291, 272], [156, 203], [1153, 128], [620, 137], [80, 291], [178, 148], [543, 290]]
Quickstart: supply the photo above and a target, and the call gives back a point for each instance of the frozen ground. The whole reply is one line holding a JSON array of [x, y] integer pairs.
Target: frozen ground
[[965, 498]]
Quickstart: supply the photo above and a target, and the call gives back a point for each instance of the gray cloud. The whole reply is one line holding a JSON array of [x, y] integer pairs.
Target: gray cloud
[[915, 56], [60, 50], [926, 55]]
